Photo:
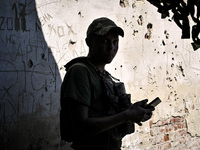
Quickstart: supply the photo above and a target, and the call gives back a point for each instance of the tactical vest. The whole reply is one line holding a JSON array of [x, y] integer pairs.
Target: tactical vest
[[117, 101]]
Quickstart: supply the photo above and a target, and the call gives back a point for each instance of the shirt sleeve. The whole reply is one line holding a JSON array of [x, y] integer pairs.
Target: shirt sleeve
[[78, 84]]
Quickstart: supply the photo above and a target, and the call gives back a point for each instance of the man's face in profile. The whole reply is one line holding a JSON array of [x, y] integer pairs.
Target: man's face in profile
[[104, 48]]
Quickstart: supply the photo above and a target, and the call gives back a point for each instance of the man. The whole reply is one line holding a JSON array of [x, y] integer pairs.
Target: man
[[96, 112]]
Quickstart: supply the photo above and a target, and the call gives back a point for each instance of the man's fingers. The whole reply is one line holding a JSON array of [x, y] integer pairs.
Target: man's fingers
[[142, 103], [146, 117], [150, 109]]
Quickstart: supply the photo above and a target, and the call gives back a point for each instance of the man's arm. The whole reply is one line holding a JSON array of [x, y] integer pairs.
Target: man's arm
[[86, 126]]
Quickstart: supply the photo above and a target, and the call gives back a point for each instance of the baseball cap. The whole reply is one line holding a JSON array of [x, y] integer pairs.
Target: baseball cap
[[101, 26]]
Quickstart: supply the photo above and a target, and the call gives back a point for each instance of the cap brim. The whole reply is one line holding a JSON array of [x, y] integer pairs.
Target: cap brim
[[107, 29]]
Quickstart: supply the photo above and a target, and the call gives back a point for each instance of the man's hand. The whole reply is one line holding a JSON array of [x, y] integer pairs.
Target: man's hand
[[137, 113]]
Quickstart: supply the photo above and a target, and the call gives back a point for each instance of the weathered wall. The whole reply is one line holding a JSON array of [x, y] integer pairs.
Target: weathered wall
[[38, 37]]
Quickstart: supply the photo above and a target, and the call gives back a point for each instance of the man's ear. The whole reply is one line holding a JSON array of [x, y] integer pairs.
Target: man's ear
[[88, 42]]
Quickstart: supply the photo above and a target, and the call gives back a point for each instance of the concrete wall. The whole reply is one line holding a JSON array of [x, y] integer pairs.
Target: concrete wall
[[38, 37]]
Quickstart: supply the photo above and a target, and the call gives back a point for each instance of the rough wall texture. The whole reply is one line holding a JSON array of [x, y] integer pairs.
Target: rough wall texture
[[38, 37]]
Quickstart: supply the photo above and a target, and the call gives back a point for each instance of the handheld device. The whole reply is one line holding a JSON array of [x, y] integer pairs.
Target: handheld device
[[153, 103]]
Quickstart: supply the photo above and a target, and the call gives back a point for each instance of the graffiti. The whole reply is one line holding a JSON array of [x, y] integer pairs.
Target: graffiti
[[28, 70], [18, 22], [59, 30], [181, 12], [45, 18], [19, 12], [9, 23]]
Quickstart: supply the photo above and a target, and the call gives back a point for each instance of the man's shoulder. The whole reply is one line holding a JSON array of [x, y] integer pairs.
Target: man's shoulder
[[78, 60], [82, 63], [80, 66]]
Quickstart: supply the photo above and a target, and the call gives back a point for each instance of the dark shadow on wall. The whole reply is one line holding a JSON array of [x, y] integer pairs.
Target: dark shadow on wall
[[29, 80]]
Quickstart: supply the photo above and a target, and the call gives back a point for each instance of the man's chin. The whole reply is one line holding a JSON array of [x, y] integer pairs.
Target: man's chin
[[108, 61]]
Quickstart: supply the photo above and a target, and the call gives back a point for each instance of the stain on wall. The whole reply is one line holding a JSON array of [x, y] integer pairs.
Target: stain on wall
[[37, 38]]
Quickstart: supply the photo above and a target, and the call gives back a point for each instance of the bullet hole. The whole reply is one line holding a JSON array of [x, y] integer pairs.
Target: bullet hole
[[140, 20], [149, 31], [43, 56], [125, 20], [135, 68], [163, 42], [172, 65], [172, 58], [149, 26], [180, 68], [121, 66], [175, 46], [158, 52], [79, 13], [30, 63], [72, 42], [45, 88], [170, 79], [164, 53], [166, 34], [134, 32], [61, 68], [169, 86], [115, 68], [124, 3], [133, 5]]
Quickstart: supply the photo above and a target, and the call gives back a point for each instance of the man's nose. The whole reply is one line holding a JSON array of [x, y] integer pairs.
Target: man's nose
[[111, 46]]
